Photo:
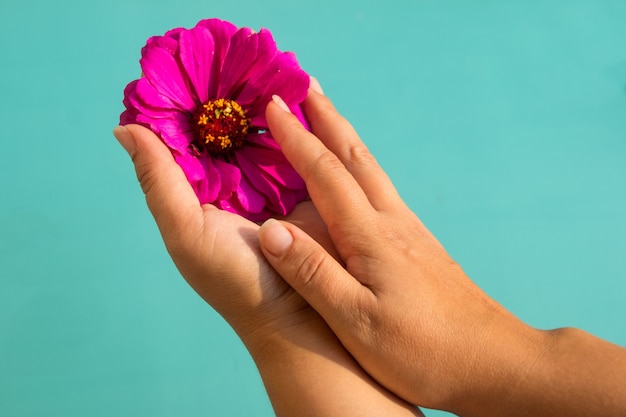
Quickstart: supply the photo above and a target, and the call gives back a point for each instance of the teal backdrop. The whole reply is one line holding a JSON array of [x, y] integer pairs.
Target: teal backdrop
[[502, 123]]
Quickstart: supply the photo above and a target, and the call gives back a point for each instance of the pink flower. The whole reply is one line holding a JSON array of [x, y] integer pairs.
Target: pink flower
[[203, 91]]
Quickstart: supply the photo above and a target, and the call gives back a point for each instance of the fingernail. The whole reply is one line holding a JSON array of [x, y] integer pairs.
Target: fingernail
[[125, 138], [315, 86], [280, 103], [275, 237]]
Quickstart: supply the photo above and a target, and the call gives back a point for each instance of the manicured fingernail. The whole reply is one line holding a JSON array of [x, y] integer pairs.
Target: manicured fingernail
[[280, 103], [275, 237], [315, 86], [125, 138]]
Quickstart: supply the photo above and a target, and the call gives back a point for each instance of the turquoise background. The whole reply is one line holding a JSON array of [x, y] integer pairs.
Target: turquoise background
[[503, 124]]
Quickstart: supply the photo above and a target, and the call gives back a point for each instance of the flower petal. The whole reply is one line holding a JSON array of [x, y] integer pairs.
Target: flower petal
[[196, 55], [264, 140], [128, 116], [287, 201], [163, 72], [230, 176], [191, 166], [169, 42], [297, 111], [260, 216], [174, 33], [241, 54], [221, 31], [291, 82], [279, 199], [195, 174], [214, 183], [282, 76], [148, 99], [232, 204], [175, 131], [257, 177], [276, 165], [267, 50], [251, 200]]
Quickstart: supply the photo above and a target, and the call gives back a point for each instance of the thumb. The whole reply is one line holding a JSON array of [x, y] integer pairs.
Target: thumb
[[313, 273], [169, 196]]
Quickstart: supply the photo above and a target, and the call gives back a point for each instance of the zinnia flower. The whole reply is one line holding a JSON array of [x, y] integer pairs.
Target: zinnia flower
[[203, 91]]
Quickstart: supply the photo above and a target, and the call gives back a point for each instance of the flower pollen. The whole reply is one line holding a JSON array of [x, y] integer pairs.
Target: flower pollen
[[220, 126]]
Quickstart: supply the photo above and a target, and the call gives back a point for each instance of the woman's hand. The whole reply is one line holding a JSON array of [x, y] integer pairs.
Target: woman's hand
[[217, 252], [404, 309]]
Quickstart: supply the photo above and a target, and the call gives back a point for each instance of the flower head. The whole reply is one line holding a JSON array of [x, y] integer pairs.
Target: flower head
[[203, 91]]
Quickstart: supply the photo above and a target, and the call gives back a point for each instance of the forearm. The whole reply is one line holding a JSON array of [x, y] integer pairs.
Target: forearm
[[307, 372], [584, 375], [565, 372]]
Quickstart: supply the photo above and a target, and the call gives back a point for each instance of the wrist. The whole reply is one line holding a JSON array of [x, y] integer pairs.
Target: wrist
[[511, 353], [303, 357], [268, 336]]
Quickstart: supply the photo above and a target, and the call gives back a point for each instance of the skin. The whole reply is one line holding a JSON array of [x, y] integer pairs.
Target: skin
[[305, 369], [405, 310]]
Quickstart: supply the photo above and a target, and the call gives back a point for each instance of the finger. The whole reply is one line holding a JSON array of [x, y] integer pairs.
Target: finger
[[315, 274], [335, 192], [340, 138], [169, 196]]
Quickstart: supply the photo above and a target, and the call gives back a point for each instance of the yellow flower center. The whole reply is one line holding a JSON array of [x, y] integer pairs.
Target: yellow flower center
[[220, 126]]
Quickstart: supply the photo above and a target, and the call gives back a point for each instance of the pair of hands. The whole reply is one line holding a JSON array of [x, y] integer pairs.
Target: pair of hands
[[354, 262], [355, 255]]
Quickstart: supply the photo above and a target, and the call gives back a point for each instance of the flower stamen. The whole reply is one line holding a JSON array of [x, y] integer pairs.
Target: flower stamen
[[220, 126]]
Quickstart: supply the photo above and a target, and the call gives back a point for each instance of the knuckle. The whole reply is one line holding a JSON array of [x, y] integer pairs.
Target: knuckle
[[363, 318], [327, 163], [147, 177], [310, 271], [359, 155]]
